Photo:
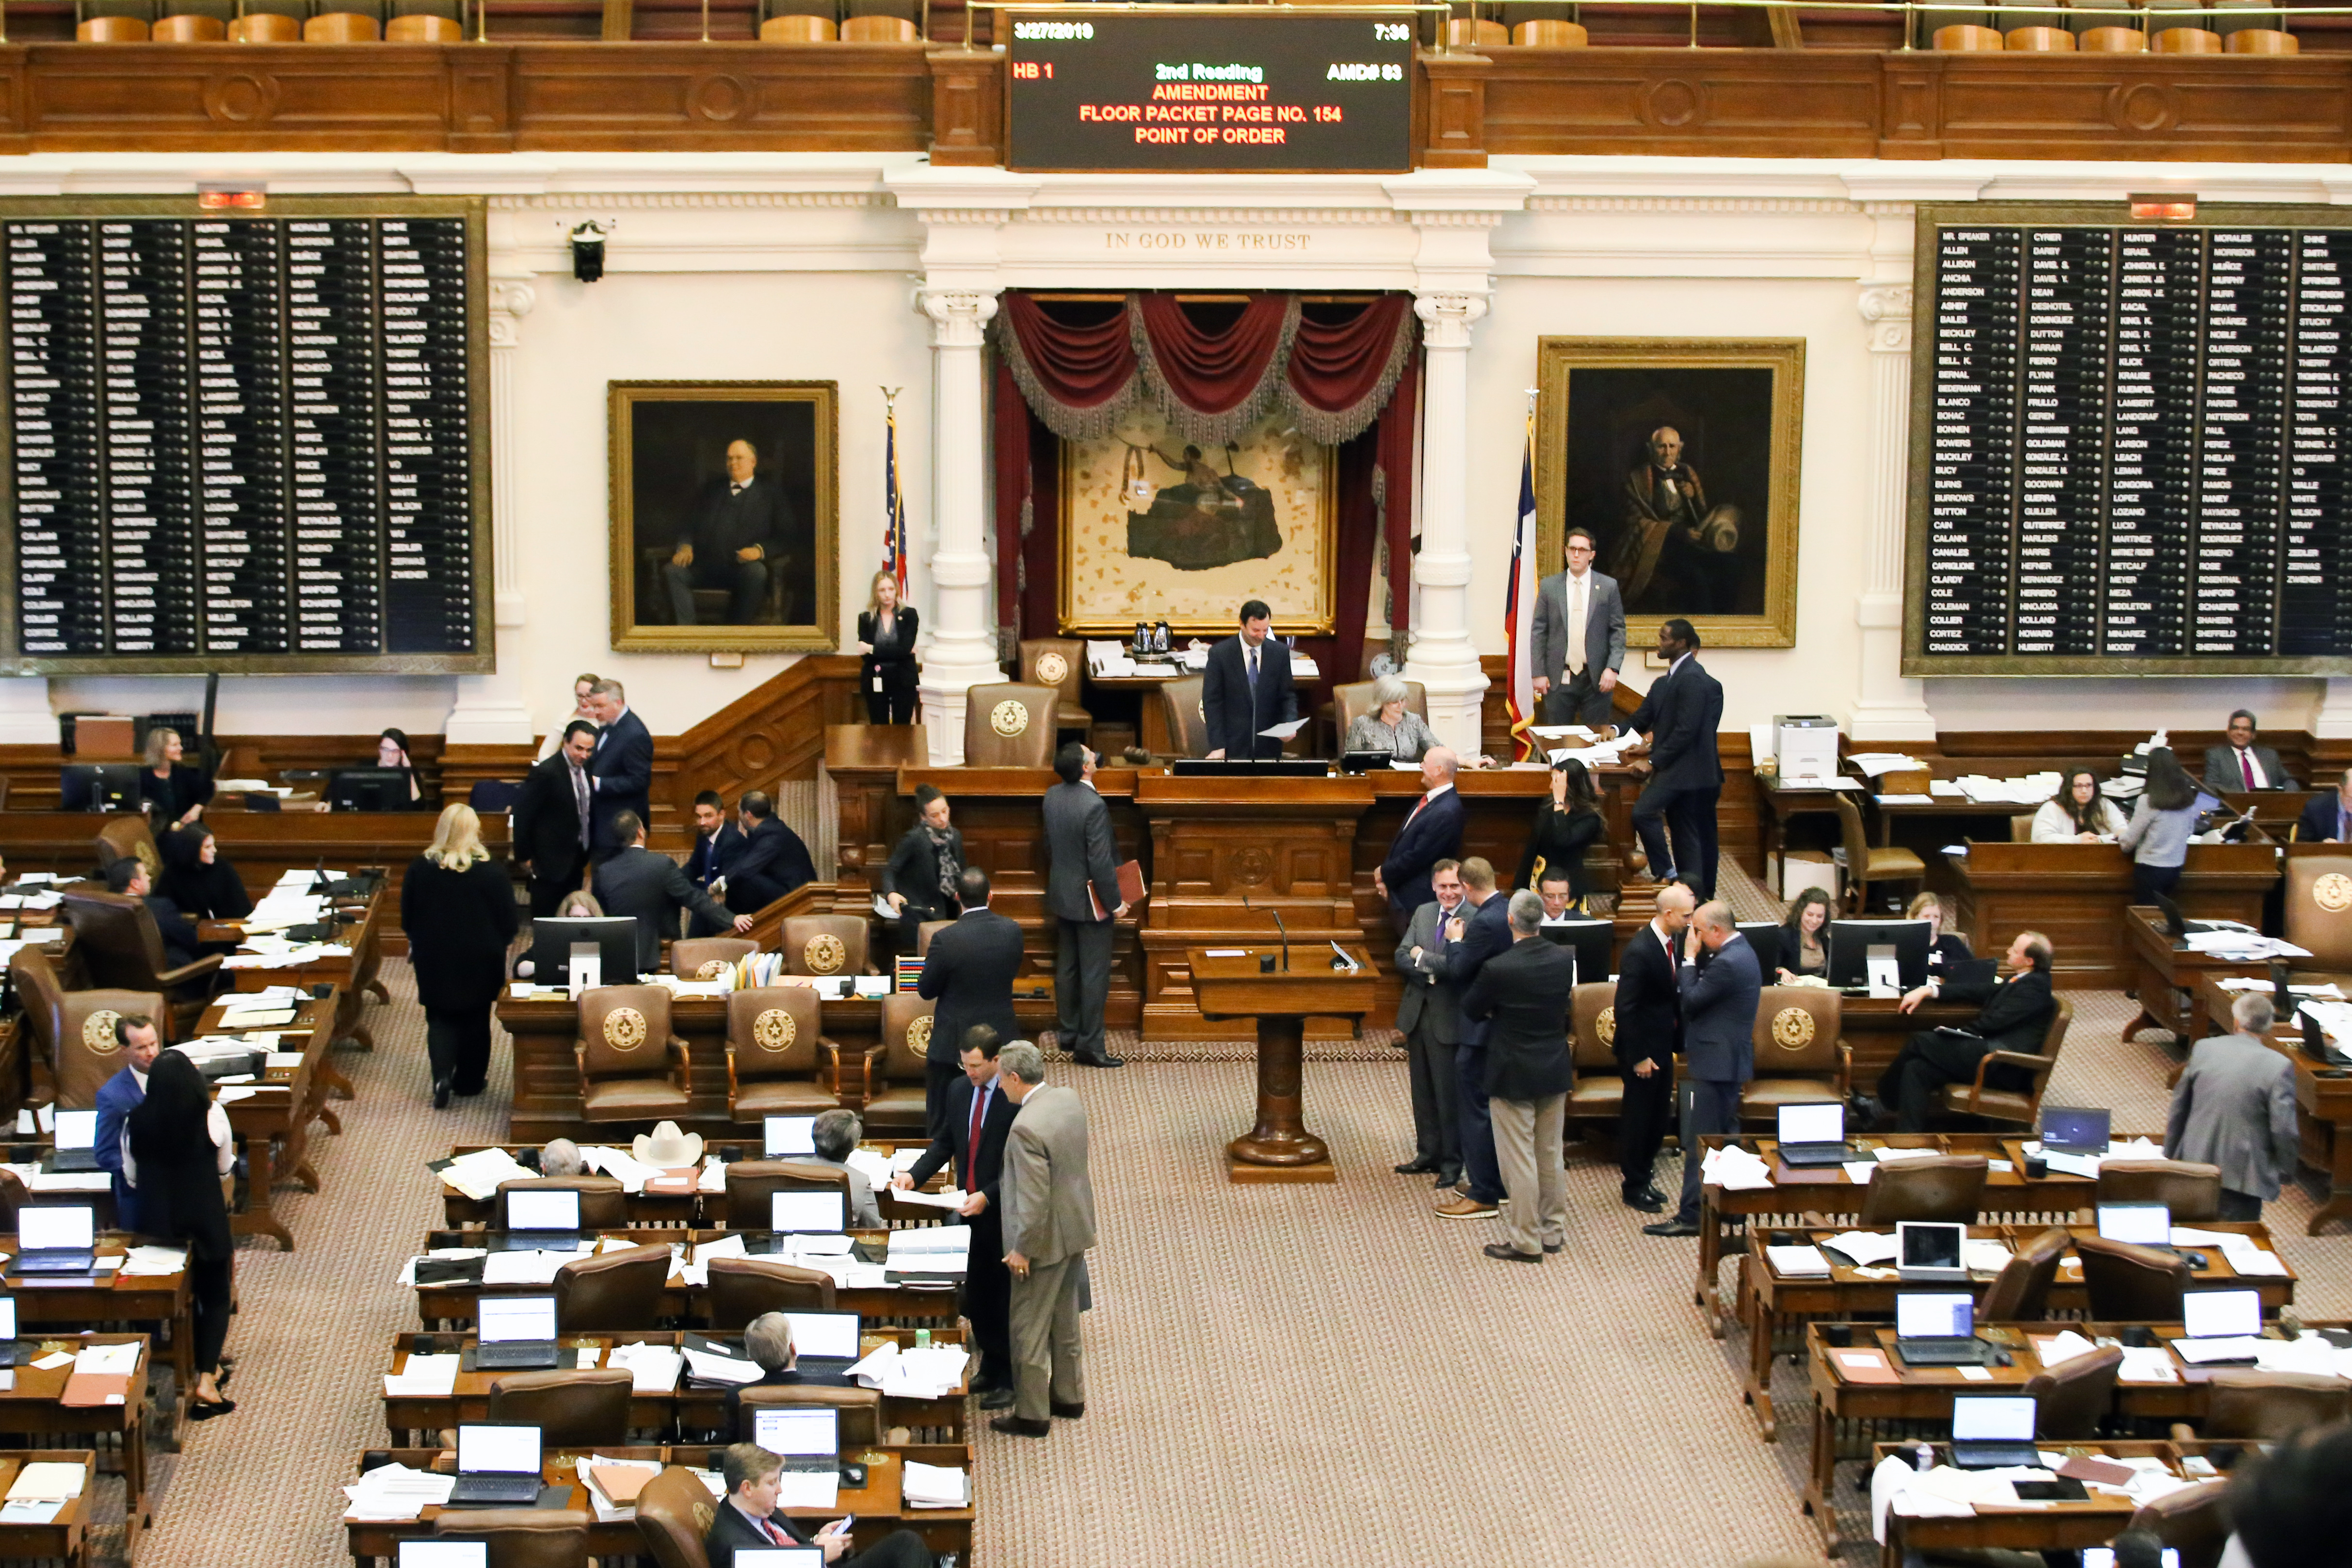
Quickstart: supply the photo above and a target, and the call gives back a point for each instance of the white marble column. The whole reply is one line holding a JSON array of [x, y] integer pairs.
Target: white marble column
[[1444, 657], [1890, 708], [962, 650], [25, 716], [493, 710]]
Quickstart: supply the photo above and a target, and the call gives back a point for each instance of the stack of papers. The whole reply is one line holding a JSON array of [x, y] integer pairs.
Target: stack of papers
[[1984, 1256], [1877, 764], [42, 1181], [2245, 1254], [1941, 1493], [2148, 1364], [1866, 1247], [1798, 1262], [1735, 1170], [156, 1260], [1108, 658], [2032, 789], [2330, 992], [604, 1476], [454, 1254], [934, 1486], [2335, 1021], [2088, 1164], [285, 955], [2065, 1347], [394, 1493], [477, 1174], [655, 1367], [930, 1372], [49, 1481], [711, 1371], [2242, 946], [423, 1377], [624, 1167], [536, 1267]]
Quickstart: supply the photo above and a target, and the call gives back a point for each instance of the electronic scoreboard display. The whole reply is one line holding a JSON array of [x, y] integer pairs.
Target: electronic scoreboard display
[[1195, 88]]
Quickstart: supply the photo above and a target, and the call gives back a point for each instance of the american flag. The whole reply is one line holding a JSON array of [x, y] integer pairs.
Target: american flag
[[894, 532]]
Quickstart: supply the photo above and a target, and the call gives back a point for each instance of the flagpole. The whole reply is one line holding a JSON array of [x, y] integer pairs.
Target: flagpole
[[894, 546]]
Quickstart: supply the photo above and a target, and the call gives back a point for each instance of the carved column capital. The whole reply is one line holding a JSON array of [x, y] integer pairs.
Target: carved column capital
[[512, 299], [1446, 318], [1886, 308], [960, 317]]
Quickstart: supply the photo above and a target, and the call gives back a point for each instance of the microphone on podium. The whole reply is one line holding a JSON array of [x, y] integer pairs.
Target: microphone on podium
[[1280, 927]]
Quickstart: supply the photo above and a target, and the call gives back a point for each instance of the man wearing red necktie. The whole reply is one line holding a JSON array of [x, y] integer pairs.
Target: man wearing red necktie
[[2240, 763], [748, 1517], [977, 1116]]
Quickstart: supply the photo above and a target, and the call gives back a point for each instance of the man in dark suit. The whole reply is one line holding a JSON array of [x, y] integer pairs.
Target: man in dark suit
[[1522, 996], [969, 974], [2016, 1017], [1648, 1016], [118, 1097], [551, 818], [920, 882], [1679, 716], [1082, 889], [649, 888], [1247, 688], [772, 861], [1579, 638], [1721, 985], [1432, 831], [2240, 764], [740, 526], [717, 842], [1429, 1016], [978, 1114], [180, 942], [747, 1516], [2327, 816], [621, 771], [1474, 936]]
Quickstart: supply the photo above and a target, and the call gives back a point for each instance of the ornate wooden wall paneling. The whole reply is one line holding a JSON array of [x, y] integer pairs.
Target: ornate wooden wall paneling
[[776, 730]]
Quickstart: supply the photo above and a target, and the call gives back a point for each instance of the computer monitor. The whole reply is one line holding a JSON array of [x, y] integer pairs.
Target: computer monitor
[[1810, 1123], [614, 936], [76, 1129], [797, 1431], [503, 1320], [1930, 1248], [1934, 1315], [789, 1137], [455, 1554], [1992, 1419], [2221, 1314], [7, 1318], [1589, 939], [367, 789], [1854, 943], [48, 1229], [543, 1209], [2142, 1225], [2076, 1129], [808, 1211], [1764, 936], [500, 1448], [828, 1336], [98, 786]]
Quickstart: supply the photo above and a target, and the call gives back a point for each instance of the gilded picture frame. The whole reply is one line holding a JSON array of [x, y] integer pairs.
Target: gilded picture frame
[[1257, 520], [1712, 535], [676, 451]]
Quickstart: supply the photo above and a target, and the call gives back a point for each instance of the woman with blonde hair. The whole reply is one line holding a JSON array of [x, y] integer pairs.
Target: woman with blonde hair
[[171, 792], [886, 638], [458, 906], [1945, 948]]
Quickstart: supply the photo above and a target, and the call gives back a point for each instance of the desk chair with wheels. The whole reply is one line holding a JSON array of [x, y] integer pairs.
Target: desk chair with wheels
[[571, 1409], [522, 1537], [2130, 1284], [1353, 700], [751, 1184], [743, 1289], [2020, 1293], [778, 1064], [1060, 663], [861, 1408], [708, 957], [1945, 1187], [1800, 1055], [1010, 724], [1865, 865], [2191, 1190], [603, 1205], [2265, 1406], [895, 1105], [612, 1292], [120, 946], [632, 1068], [2022, 1107], [673, 1515], [2074, 1397], [74, 1030]]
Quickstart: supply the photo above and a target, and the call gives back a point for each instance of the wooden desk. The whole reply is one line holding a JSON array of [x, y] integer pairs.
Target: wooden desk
[[2077, 895], [2323, 1101], [274, 1122], [2171, 975], [64, 1536], [1777, 805], [47, 1306], [2063, 1525], [1773, 1305], [670, 1210], [34, 1405], [354, 973]]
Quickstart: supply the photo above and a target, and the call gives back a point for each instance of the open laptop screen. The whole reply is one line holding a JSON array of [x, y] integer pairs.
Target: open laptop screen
[[56, 1229], [789, 1135], [77, 1129], [7, 1317], [2074, 1128], [1812, 1123], [798, 1431], [829, 1336], [507, 1318], [445, 1554], [807, 1212], [783, 1556], [499, 1449], [1934, 1315], [1992, 1419], [2221, 1314], [2143, 1225], [543, 1210]]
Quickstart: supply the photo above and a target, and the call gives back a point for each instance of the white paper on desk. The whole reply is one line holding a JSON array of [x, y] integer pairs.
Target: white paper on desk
[[2309, 1353], [423, 1377], [2197, 1353], [1798, 1262], [1735, 1170], [822, 1245], [47, 1480], [477, 1174], [624, 1167], [655, 1368], [523, 1268], [395, 1493], [1984, 1256], [53, 1361], [1943, 789], [30, 1512], [607, 1510], [808, 1488], [1886, 1155], [1866, 1246], [282, 1061], [235, 1092], [256, 1017], [1876, 763], [934, 1486], [1859, 1171], [66, 1181], [711, 1368], [714, 1176], [2148, 1364], [2065, 1347], [725, 1247], [1976, 1373], [141, 1261]]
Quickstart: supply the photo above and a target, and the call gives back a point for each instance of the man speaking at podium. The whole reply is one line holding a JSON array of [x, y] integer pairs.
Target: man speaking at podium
[[1248, 689]]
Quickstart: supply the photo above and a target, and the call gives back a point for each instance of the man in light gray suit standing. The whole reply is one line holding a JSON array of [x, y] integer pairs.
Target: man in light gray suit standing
[[1579, 638], [2234, 1108], [1429, 1015], [1049, 1223], [1082, 889], [1721, 987]]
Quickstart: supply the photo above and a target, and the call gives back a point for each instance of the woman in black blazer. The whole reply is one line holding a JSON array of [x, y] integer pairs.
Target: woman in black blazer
[[886, 635], [458, 906], [196, 880], [179, 1147], [173, 791], [1566, 823]]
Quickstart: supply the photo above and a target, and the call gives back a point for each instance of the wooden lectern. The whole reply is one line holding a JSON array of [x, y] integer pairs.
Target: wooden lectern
[[1234, 985]]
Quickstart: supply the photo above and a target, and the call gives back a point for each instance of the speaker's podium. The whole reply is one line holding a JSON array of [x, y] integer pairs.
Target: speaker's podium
[[1253, 983]]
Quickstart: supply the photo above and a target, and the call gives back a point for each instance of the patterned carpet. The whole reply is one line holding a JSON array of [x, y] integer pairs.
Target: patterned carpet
[[1327, 1374]]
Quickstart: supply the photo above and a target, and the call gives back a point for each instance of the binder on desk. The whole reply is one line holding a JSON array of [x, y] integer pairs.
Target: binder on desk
[[86, 1390], [1131, 888], [1865, 1366]]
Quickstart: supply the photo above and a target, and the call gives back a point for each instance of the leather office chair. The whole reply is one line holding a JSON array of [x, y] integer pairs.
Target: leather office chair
[[2317, 905], [2020, 1293], [522, 1537], [123, 836], [74, 1030], [777, 1062], [1060, 663], [1353, 700], [122, 948], [674, 1514], [2191, 1190], [861, 1410], [752, 1183], [1188, 725], [2194, 1521], [632, 1068], [614, 1292], [2071, 1399], [925, 931], [1865, 865], [14, 1196], [826, 945], [2131, 1284], [602, 1204], [2020, 1106], [1801, 1057], [2265, 1407], [708, 957], [571, 1409], [1949, 1187], [1010, 724], [742, 1289], [1598, 1094], [895, 1106]]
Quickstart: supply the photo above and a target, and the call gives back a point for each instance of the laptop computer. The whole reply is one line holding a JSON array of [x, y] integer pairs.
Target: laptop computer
[[443, 1554], [9, 1349], [2074, 1129], [808, 1436], [517, 1334], [789, 1137], [62, 1240], [1929, 1251], [1937, 1327], [498, 1465], [1815, 1135], [2142, 1225], [541, 1218], [824, 1344], [808, 1211], [2212, 1316], [77, 1140], [1993, 1431]]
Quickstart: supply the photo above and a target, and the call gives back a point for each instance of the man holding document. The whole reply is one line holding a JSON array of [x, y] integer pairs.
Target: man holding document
[[1247, 689], [979, 1115]]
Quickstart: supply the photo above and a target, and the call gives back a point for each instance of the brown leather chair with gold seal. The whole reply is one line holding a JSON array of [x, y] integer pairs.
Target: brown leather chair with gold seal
[[751, 1184], [861, 1410], [2318, 913], [117, 940], [2194, 1521], [1353, 700], [121, 836], [2189, 1190], [1010, 724], [1060, 663], [604, 1205], [925, 931], [895, 1102], [674, 1514], [2074, 1397], [2130, 1284], [632, 1068], [1943, 1187], [2020, 1293], [2021, 1106], [571, 1409], [1597, 1093], [1800, 1057], [778, 1064], [708, 957], [742, 1289], [1188, 725], [522, 1537], [612, 1292], [826, 945], [74, 1030], [2265, 1407]]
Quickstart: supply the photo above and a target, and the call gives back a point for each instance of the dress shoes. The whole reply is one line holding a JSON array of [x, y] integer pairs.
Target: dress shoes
[[1099, 1059], [198, 1410], [1555, 1246], [1466, 1208], [1651, 1202], [1671, 1228], [1066, 1411], [996, 1399], [1416, 1167], [441, 1091], [1866, 1113], [1014, 1426], [1506, 1253], [1447, 1179]]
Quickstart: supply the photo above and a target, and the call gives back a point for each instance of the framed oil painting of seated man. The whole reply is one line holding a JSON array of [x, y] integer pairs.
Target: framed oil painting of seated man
[[1680, 455], [1158, 528], [723, 515]]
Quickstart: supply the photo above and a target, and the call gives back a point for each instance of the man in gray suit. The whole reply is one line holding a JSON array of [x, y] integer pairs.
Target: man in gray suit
[[1721, 985], [1580, 636], [1082, 889], [2234, 1108], [637, 881], [1429, 1015], [1049, 1223], [2239, 765]]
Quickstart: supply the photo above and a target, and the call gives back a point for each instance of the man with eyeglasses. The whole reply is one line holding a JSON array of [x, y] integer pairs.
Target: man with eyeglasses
[[1579, 638]]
